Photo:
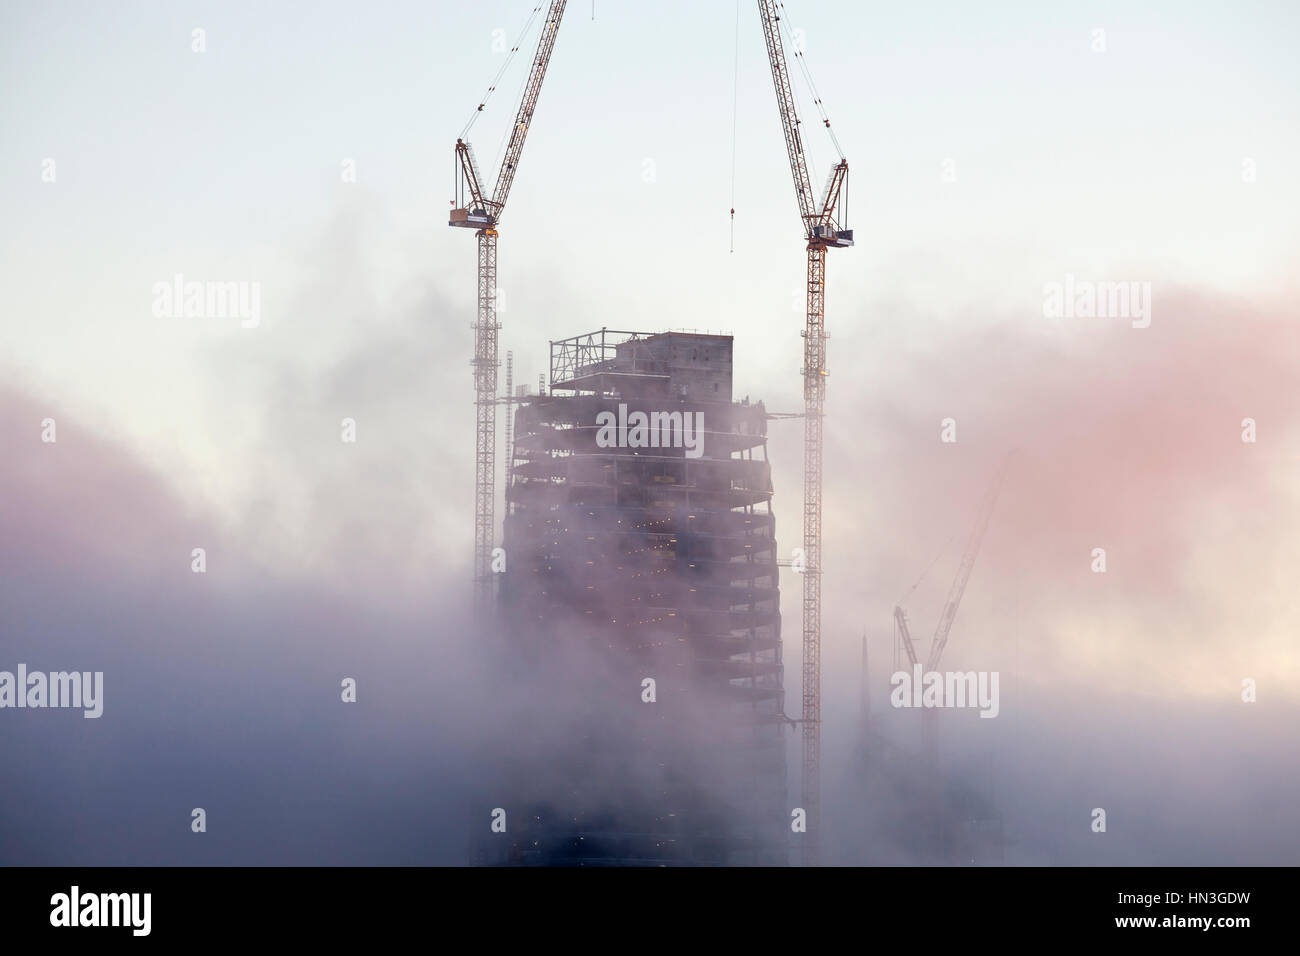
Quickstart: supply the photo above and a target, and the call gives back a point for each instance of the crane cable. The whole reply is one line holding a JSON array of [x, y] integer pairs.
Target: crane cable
[[783, 24], [735, 90], [812, 87], [508, 133], [928, 568], [501, 72]]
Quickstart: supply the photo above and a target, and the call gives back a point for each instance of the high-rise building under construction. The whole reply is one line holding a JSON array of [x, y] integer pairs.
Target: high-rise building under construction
[[642, 554]]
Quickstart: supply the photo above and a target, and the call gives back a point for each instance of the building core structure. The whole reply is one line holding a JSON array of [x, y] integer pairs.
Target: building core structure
[[642, 553]]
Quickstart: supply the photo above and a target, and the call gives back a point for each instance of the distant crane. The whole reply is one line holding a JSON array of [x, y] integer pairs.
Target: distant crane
[[474, 209], [949, 613], [822, 230]]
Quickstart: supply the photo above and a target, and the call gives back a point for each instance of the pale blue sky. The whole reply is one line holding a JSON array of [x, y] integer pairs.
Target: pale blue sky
[[225, 164], [1125, 164]]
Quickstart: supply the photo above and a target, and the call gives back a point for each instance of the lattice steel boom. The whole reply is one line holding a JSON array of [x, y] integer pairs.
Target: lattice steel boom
[[958, 588]]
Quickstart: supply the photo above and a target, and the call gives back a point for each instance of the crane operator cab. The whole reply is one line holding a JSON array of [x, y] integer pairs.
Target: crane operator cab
[[833, 237]]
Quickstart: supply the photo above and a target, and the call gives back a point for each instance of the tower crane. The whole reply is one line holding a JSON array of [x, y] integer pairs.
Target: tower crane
[[473, 208], [953, 601], [821, 219], [958, 588]]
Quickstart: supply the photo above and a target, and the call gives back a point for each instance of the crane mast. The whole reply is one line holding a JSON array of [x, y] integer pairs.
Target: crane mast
[[821, 231], [905, 634], [473, 209]]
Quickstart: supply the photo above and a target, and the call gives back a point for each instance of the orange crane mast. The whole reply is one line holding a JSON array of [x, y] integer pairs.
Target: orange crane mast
[[822, 231], [474, 209]]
